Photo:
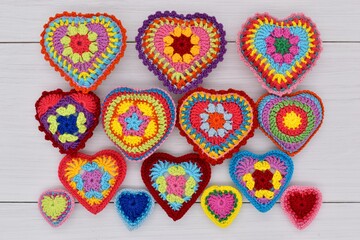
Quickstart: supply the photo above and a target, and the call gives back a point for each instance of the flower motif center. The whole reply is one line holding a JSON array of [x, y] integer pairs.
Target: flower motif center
[[67, 124], [181, 45], [79, 43], [282, 45], [263, 179], [134, 122], [216, 120]]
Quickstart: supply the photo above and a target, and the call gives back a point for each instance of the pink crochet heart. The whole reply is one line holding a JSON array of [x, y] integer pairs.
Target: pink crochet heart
[[301, 205]]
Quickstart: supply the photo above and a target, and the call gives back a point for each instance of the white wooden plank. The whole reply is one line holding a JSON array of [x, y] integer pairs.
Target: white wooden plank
[[23, 20], [29, 163], [334, 221]]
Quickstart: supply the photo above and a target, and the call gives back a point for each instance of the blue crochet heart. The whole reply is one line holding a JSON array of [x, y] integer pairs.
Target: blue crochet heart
[[134, 206], [261, 178]]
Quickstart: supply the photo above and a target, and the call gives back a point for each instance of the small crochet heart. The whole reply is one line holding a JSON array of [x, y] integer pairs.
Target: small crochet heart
[[83, 48], [181, 50], [134, 206], [216, 123], [279, 52], [292, 120], [56, 206], [175, 182], [138, 121], [68, 119], [221, 204], [261, 178], [93, 179], [301, 204]]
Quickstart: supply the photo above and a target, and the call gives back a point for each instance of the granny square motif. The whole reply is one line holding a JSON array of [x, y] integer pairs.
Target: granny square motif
[[292, 120], [261, 178], [68, 119], [279, 52], [181, 49], [83, 48], [216, 123], [138, 121]]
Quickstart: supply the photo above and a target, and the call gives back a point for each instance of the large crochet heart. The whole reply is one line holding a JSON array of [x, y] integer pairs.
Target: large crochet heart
[[216, 123], [134, 206], [138, 121], [279, 52], [292, 120], [93, 180], [83, 48], [56, 206], [301, 204], [67, 118], [261, 178], [221, 204], [175, 182], [181, 50]]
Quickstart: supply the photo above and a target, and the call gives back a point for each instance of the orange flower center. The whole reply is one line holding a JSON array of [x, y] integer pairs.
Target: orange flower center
[[216, 120], [182, 44], [79, 43]]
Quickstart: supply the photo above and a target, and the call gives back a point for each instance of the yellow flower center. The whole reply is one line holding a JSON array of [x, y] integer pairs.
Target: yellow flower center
[[292, 120]]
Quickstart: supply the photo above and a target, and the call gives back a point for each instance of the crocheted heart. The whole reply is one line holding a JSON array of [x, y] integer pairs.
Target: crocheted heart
[[138, 121], [134, 206], [216, 123], [68, 119], [175, 182], [279, 52], [292, 120], [301, 204], [221, 204], [261, 178], [181, 50], [93, 180], [83, 48], [56, 206]]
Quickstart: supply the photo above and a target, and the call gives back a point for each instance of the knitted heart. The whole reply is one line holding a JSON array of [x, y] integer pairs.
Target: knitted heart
[[175, 182], [216, 123], [221, 204], [279, 52], [93, 180], [138, 121], [134, 206], [290, 121], [181, 50], [56, 206], [83, 48], [301, 204], [67, 118], [261, 178]]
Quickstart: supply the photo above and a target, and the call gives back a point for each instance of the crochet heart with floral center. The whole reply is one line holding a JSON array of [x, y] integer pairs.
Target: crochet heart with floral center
[[68, 119], [83, 48], [279, 52], [175, 182], [261, 178], [221, 204], [134, 206], [216, 123], [138, 121], [93, 180], [301, 204], [56, 206], [292, 120], [181, 50]]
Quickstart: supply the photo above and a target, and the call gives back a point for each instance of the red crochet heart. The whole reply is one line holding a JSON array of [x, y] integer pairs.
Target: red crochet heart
[[301, 204], [68, 119], [93, 180], [175, 182]]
